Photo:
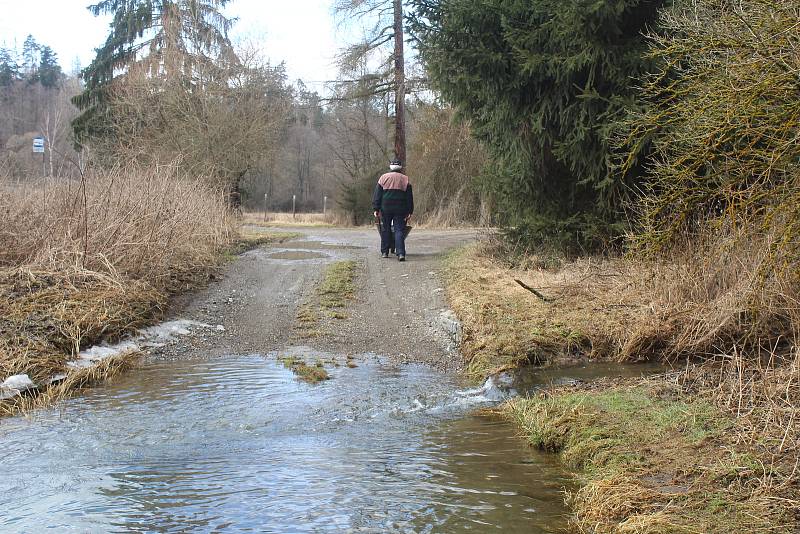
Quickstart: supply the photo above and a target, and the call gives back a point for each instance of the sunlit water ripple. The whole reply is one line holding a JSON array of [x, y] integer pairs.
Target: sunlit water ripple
[[238, 444]]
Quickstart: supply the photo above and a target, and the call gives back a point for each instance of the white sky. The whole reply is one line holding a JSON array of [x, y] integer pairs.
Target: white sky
[[300, 32]]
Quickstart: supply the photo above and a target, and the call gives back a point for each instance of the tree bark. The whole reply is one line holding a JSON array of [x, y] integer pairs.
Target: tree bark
[[400, 85]]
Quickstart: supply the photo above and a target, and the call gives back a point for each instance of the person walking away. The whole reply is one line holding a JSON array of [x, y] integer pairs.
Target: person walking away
[[393, 203]]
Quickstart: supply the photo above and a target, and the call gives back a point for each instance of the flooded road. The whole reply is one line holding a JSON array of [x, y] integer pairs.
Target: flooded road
[[237, 443]]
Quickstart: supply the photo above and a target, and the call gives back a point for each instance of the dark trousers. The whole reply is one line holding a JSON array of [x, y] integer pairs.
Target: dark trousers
[[393, 222]]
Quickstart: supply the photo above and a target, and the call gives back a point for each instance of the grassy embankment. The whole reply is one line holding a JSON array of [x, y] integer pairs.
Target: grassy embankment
[[711, 447], [83, 265]]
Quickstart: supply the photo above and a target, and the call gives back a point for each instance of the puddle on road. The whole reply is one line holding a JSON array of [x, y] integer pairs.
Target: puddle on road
[[317, 245], [239, 444], [295, 255]]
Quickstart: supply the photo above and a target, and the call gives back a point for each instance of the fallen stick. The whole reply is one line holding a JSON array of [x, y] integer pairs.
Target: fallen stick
[[529, 288]]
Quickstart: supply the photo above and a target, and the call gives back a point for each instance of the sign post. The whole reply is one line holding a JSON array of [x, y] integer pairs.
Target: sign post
[[38, 148], [294, 205], [265, 207], [324, 204]]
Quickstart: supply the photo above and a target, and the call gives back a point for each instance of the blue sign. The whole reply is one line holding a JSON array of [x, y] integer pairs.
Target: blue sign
[[38, 145]]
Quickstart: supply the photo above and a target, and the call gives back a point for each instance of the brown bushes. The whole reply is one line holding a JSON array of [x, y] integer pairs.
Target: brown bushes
[[720, 214], [719, 295], [152, 225], [83, 261]]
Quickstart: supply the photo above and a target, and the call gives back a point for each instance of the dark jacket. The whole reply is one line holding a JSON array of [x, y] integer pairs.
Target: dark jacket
[[393, 194]]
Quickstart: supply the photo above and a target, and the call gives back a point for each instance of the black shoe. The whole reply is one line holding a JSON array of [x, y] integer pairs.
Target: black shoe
[[385, 255], [401, 258]]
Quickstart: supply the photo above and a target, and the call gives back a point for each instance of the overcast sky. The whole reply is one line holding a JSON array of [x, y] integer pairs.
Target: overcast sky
[[300, 32]]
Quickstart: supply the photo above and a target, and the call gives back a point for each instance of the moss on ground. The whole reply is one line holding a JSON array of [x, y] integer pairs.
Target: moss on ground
[[333, 293], [337, 286], [305, 372]]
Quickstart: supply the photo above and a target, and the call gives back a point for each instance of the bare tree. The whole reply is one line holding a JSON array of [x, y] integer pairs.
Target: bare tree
[[385, 26], [224, 127]]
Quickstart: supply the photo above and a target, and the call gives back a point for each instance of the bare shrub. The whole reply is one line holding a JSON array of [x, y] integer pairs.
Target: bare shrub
[[447, 160]]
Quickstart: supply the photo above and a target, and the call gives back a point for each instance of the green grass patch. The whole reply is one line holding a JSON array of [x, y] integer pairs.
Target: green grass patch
[[333, 293], [305, 372], [337, 286], [646, 459]]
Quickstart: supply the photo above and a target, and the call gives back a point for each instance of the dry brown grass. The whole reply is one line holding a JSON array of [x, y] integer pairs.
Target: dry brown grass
[[152, 224], [47, 316], [591, 307], [74, 382], [717, 295], [712, 298], [91, 260], [331, 218], [712, 448]]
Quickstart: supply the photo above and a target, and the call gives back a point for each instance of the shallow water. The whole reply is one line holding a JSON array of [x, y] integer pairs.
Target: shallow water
[[239, 444], [529, 379], [295, 255]]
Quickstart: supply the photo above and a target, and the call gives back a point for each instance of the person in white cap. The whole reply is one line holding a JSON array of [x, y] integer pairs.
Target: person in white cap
[[393, 203]]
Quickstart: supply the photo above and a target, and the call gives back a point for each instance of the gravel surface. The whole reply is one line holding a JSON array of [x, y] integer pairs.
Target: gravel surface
[[399, 310]]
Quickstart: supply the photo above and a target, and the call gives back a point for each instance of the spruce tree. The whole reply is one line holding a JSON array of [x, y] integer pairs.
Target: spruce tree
[[9, 70], [167, 38], [50, 74], [544, 84], [30, 59]]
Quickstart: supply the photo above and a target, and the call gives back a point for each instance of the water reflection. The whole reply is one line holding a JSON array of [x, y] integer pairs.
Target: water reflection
[[239, 445]]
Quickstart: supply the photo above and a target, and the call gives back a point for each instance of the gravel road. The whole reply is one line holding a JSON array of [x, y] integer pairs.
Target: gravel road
[[399, 310]]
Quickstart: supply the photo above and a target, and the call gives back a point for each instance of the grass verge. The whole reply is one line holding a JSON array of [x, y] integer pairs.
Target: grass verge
[[582, 310], [654, 456], [92, 262]]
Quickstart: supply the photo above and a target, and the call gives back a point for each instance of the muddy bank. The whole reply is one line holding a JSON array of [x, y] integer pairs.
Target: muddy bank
[[709, 447]]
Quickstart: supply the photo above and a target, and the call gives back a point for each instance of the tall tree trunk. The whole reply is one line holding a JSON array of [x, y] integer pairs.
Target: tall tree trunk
[[400, 85]]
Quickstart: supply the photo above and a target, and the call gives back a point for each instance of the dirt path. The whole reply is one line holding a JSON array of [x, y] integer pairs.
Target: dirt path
[[396, 311]]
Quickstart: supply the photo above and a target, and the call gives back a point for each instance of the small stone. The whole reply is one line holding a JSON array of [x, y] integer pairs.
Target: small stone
[[220, 328]]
